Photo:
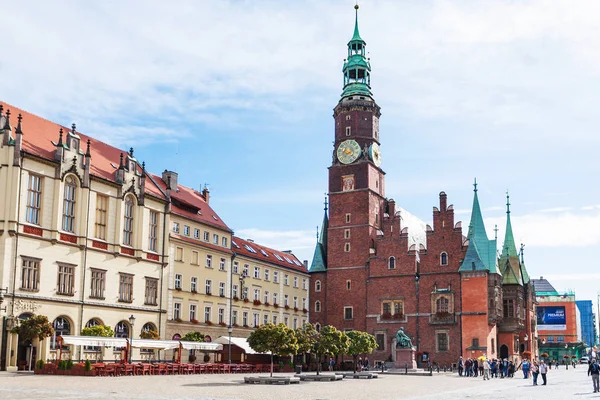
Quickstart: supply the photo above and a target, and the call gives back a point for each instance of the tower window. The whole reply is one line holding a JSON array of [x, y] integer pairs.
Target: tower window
[[348, 284], [347, 218], [347, 234], [348, 130], [317, 287], [347, 247], [348, 117], [348, 314], [444, 258], [392, 263]]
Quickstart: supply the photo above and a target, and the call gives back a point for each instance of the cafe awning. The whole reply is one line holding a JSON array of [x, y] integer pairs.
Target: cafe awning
[[92, 341], [240, 342], [203, 346], [155, 344]]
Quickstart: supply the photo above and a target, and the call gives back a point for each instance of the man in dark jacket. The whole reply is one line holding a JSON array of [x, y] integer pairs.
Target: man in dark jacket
[[594, 370]]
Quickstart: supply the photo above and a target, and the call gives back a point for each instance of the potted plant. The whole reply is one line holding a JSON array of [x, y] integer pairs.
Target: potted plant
[[192, 358], [206, 357], [386, 315], [194, 291], [275, 305], [256, 302], [287, 307], [246, 300], [178, 288], [305, 311], [398, 316], [235, 298], [178, 320], [266, 303], [194, 321], [295, 309], [246, 326], [222, 323], [208, 322]]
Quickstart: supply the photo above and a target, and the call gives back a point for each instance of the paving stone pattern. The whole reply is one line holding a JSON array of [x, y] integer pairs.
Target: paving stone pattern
[[562, 385]]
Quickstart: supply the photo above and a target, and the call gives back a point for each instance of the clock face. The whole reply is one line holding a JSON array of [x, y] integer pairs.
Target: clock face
[[375, 154], [348, 151]]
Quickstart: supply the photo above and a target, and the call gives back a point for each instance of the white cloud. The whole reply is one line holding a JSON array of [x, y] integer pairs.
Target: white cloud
[[556, 209], [557, 230]]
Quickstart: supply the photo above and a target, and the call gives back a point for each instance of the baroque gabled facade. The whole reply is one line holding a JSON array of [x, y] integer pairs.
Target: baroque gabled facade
[[377, 268]]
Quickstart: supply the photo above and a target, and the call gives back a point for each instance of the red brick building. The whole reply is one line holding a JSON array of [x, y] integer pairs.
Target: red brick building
[[377, 268]]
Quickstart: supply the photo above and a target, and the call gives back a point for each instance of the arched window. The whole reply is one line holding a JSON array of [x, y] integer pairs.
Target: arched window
[[317, 286], [392, 263], [318, 327], [442, 305], [444, 258], [68, 224], [61, 327], [89, 324], [317, 306], [122, 330], [128, 222], [149, 326]]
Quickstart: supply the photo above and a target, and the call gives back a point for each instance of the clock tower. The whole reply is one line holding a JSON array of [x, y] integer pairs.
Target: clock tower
[[356, 195]]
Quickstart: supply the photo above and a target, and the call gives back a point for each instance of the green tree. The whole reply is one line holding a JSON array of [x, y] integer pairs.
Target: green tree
[[360, 343], [329, 342], [307, 336], [98, 330], [36, 326], [276, 339], [193, 336]]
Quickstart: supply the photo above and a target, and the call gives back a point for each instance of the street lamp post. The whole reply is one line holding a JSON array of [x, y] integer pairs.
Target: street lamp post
[[230, 330], [230, 327], [131, 323]]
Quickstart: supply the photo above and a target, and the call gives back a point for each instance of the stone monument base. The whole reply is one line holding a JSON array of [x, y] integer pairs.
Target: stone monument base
[[405, 357]]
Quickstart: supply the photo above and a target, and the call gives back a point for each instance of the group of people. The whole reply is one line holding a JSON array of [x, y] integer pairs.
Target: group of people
[[494, 368], [474, 367]]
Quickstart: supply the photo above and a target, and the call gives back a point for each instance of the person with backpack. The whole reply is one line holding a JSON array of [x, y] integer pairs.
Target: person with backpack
[[594, 370]]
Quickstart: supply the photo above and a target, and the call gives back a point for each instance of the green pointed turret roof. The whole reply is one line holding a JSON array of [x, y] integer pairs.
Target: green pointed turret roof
[[509, 274], [508, 248], [524, 273], [479, 244], [356, 36], [319, 261]]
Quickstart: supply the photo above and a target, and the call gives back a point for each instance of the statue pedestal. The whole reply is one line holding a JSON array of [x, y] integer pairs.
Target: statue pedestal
[[405, 357]]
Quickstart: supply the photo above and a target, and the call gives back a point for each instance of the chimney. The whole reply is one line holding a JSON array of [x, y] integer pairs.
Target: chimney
[[166, 175], [305, 262], [443, 201], [206, 194], [391, 207]]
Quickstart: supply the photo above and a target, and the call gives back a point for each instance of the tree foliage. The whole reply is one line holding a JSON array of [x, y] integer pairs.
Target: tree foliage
[[36, 326], [193, 336], [98, 330], [276, 339], [360, 343], [329, 342], [307, 336]]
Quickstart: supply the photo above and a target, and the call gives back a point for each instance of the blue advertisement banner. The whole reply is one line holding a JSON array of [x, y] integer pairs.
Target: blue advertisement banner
[[551, 318]]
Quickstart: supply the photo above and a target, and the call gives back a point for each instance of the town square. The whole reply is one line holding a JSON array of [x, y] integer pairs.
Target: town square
[[322, 200]]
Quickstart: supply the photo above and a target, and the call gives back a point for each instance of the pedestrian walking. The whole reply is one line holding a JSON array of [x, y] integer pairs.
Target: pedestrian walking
[[461, 366], [594, 370], [543, 371], [535, 372], [331, 363], [486, 370]]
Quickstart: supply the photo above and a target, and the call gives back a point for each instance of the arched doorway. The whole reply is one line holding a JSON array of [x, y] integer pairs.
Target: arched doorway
[[25, 350], [504, 351]]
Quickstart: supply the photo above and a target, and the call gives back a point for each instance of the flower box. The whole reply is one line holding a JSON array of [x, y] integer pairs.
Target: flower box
[[296, 309], [287, 307], [235, 298], [266, 303], [246, 326], [304, 310], [194, 321], [222, 324], [208, 323], [256, 302], [246, 300], [275, 305], [178, 320]]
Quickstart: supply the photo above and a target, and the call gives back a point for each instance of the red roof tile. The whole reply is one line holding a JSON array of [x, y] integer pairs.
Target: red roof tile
[[271, 256], [201, 243]]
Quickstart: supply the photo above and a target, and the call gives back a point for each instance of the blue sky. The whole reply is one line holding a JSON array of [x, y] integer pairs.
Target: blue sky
[[239, 95]]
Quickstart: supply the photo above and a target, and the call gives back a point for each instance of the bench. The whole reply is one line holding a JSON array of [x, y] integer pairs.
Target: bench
[[319, 378], [271, 380]]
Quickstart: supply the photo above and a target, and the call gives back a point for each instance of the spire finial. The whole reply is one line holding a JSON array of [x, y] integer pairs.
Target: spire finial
[[496, 231], [475, 185], [317, 232], [87, 151], [7, 123], [121, 166], [507, 203], [131, 151], [73, 127], [60, 133], [325, 202], [19, 130], [521, 251]]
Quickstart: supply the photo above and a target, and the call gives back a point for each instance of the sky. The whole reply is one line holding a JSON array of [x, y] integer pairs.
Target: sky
[[239, 95]]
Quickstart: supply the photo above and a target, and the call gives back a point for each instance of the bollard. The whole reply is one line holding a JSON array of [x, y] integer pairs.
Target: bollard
[[430, 371], [406, 368]]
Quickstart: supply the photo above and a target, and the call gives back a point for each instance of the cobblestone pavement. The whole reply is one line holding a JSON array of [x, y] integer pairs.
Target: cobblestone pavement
[[562, 385]]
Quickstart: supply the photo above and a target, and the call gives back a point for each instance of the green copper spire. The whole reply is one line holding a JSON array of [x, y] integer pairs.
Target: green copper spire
[[356, 37], [357, 69], [479, 244], [509, 248], [319, 261], [524, 273]]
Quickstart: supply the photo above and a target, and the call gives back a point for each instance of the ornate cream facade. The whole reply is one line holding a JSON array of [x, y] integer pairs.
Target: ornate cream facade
[[88, 236]]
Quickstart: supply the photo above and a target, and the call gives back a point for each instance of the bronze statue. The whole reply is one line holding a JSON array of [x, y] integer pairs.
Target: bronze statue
[[402, 340]]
